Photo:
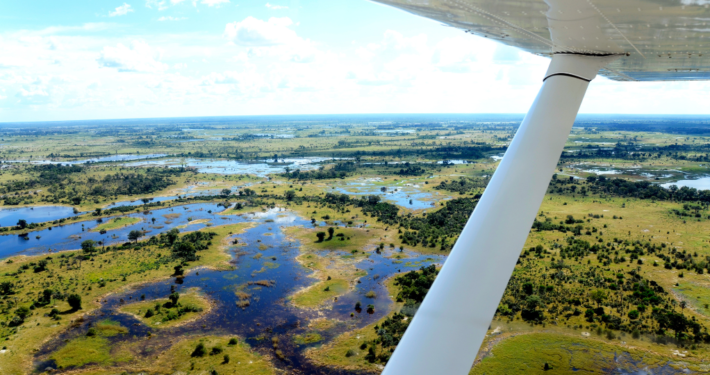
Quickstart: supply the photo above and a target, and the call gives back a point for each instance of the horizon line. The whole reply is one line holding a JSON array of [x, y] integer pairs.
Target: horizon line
[[327, 114]]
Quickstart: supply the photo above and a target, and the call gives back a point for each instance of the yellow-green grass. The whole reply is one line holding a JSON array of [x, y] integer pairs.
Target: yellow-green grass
[[528, 353], [93, 348], [316, 294], [194, 222], [178, 359], [137, 267], [307, 338], [117, 223], [159, 320]]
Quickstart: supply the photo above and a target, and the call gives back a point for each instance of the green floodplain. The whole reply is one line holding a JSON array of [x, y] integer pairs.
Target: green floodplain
[[615, 273]]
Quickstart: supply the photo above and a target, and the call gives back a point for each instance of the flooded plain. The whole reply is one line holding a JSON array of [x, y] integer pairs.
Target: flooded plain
[[34, 214], [260, 168], [263, 252]]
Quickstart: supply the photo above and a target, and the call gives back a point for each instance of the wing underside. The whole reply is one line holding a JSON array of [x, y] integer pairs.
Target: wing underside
[[657, 40]]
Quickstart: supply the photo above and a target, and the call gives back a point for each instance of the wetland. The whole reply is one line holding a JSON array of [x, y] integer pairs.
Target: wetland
[[252, 249]]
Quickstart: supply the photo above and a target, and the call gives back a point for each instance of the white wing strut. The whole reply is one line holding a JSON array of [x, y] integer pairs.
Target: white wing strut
[[447, 331]]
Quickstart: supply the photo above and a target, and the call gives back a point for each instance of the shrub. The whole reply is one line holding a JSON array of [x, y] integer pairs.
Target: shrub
[[74, 301], [350, 353], [216, 350], [199, 351], [233, 341]]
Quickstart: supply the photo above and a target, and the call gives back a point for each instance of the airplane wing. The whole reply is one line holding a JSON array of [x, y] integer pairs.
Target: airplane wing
[[630, 40]]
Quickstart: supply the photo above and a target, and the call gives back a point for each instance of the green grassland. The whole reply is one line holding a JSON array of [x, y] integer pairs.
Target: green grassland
[[168, 315], [117, 223], [528, 354]]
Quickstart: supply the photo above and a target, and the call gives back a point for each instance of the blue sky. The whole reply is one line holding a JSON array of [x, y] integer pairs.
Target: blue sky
[[65, 60]]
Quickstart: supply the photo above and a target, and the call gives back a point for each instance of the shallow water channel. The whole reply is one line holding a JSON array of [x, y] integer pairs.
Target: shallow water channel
[[35, 214], [70, 236], [269, 314]]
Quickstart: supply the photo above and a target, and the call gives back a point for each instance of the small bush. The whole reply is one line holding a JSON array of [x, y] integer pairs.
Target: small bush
[[233, 341], [216, 350], [199, 351]]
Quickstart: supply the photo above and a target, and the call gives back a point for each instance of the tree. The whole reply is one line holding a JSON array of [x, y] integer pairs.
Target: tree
[[330, 233], [185, 250], [74, 301], [22, 312], [172, 235], [174, 296], [22, 223], [321, 236], [199, 351], [290, 194], [7, 288], [633, 314], [145, 200], [88, 247], [134, 235], [598, 296], [226, 192]]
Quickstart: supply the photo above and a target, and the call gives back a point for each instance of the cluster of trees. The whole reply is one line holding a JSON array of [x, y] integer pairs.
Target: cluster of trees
[[411, 170], [645, 190], [186, 247], [619, 187], [172, 309], [602, 299], [414, 286], [43, 175], [463, 185], [440, 227], [340, 170]]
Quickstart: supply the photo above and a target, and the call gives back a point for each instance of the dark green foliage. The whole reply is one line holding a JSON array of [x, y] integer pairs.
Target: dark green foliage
[[74, 301], [462, 185], [186, 248], [414, 286], [199, 351], [134, 235], [7, 288], [216, 350], [174, 296], [233, 341], [88, 247]]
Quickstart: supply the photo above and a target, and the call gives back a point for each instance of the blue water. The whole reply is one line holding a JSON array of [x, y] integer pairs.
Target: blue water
[[269, 306], [402, 195], [229, 167], [700, 184], [112, 158], [36, 214], [70, 236]]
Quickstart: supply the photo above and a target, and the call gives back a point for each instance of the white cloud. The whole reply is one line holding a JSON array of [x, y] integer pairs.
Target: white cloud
[[257, 33], [276, 7], [171, 18], [160, 5], [214, 3], [121, 11], [138, 58]]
